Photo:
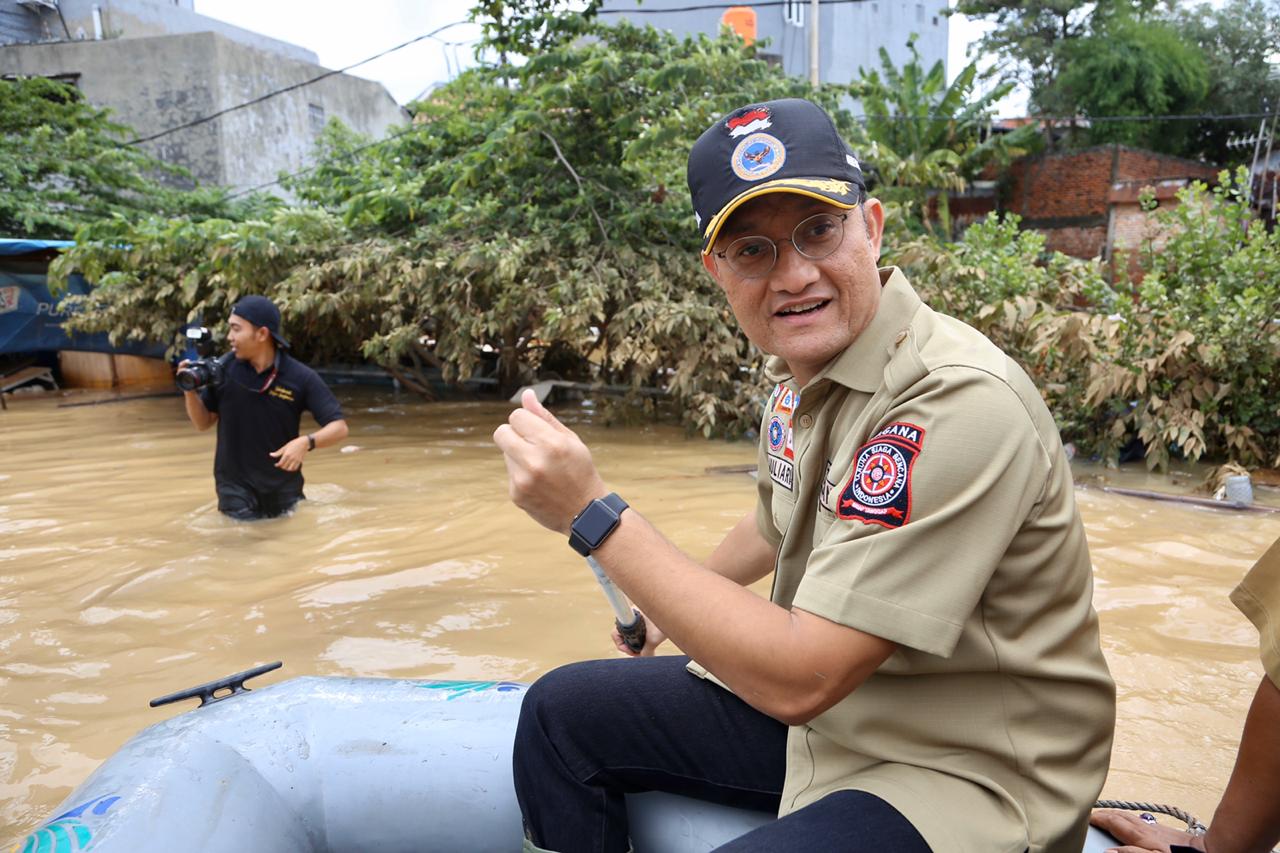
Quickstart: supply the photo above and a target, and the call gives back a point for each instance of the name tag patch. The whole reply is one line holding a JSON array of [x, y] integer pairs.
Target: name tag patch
[[282, 393], [782, 472], [879, 489]]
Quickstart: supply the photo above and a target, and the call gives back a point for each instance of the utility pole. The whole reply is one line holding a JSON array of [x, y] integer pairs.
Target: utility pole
[[815, 15]]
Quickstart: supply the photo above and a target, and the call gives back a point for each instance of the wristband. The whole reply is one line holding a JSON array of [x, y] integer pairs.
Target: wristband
[[311, 442]]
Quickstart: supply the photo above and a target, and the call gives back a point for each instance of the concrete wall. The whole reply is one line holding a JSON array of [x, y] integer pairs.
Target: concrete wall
[[157, 83], [129, 19], [850, 34]]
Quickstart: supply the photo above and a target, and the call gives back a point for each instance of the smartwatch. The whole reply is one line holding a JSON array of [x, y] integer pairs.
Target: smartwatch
[[594, 524]]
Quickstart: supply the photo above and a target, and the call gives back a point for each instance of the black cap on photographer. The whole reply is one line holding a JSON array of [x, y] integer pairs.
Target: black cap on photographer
[[261, 311]]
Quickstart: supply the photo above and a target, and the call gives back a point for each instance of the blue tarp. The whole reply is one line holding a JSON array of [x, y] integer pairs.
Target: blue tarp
[[27, 247], [29, 316]]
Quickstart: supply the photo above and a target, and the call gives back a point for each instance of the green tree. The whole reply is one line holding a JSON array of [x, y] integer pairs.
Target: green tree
[[1239, 41], [1133, 67], [1034, 37], [63, 164], [925, 138]]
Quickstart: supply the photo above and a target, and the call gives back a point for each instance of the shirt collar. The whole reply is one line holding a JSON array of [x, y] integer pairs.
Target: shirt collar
[[861, 366]]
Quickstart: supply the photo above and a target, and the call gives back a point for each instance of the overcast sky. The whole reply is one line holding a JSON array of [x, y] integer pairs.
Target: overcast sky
[[342, 32]]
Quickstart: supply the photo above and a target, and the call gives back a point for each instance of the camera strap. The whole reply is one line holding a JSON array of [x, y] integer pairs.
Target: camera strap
[[275, 371]]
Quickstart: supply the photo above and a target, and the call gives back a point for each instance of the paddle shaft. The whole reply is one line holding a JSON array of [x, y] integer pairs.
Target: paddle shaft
[[628, 620]]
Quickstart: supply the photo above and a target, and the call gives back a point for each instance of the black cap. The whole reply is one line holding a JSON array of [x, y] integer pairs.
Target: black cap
[[786, 146], [261, 311]]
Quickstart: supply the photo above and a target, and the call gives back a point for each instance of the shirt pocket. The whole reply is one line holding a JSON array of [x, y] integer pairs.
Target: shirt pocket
[[783, 507], [825, 515]]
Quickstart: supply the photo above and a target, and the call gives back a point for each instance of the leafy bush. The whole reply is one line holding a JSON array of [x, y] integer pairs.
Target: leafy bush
[[1186, 363], [1197, 351]]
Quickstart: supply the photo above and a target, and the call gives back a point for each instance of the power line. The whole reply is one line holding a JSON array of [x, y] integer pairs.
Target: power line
[[208, 118]]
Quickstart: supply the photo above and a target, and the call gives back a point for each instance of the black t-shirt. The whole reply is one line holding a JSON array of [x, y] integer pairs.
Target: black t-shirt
[[253, 424]]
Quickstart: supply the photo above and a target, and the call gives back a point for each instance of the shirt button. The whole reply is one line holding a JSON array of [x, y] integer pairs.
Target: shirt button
[[902, 336], [806, 421]]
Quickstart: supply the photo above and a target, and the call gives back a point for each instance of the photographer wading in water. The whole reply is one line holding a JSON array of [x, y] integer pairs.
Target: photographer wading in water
[[257, 399]]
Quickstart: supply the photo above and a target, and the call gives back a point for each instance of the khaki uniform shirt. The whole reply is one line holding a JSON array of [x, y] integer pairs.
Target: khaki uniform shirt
[[918, 491], [1258, 597]]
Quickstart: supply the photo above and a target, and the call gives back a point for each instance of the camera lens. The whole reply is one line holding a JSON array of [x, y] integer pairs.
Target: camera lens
[[192, 377]]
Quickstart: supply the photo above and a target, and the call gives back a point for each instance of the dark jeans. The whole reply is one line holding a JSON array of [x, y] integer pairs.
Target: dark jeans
[[245, 503], [591, 732]]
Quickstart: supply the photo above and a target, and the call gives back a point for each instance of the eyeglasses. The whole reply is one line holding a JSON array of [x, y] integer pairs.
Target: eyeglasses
[[815, 238]]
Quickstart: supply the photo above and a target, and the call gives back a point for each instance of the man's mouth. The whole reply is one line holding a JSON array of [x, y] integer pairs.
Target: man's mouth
[[802, 308]]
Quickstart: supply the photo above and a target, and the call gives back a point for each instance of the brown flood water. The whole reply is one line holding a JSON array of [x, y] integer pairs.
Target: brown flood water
[[119, 581]]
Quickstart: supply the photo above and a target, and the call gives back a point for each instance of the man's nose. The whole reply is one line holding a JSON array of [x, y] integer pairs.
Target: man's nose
[[792, 271]]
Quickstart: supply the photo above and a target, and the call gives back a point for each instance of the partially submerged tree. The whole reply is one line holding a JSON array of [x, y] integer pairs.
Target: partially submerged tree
[[532, 213]]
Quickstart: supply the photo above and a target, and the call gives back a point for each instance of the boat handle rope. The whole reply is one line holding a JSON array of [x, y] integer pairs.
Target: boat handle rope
[[208, 691], [1194, 826]]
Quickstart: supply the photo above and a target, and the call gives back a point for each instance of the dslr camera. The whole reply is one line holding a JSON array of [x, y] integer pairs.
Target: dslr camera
[[205, 370]]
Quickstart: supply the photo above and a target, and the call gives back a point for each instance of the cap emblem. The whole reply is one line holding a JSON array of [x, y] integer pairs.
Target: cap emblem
[[740, 124], [758, 156]]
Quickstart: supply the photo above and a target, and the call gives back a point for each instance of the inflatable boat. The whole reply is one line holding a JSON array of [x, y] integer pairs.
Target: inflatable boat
[[340, 764]]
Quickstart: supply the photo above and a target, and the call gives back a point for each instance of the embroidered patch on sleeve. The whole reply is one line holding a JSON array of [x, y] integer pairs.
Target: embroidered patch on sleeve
[[879, 490]]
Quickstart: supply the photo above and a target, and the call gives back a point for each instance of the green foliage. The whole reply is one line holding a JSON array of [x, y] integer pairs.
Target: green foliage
[[1132, 67], [533, 211], [154, 276], [999, 279], [1200, 353], [63, 164], [1238, 40], [1187, 364], [1035, 35], [923, 137]]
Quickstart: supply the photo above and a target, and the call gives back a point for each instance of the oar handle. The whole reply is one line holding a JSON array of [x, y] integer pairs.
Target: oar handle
[[628, 620], [633, 634]]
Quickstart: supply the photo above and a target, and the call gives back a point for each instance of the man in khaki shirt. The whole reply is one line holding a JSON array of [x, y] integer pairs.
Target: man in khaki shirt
[[927, 674]]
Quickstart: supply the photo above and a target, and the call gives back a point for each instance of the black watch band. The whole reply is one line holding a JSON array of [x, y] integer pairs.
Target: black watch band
[[311, 442], [594, 524]]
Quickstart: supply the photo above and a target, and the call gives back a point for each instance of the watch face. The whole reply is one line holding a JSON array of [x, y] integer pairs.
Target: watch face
[[595, 524]]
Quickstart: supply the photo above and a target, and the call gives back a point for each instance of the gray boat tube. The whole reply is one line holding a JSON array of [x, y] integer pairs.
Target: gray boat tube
[[343, 764]]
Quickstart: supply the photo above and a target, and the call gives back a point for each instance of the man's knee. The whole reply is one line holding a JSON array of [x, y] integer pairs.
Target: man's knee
[[562, 696]]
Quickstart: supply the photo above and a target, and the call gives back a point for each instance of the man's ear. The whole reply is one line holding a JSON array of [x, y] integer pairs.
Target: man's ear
[[873, 217]]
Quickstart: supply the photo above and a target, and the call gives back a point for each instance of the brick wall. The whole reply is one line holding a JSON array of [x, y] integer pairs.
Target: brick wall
[[1068, 196], [1078, 241]]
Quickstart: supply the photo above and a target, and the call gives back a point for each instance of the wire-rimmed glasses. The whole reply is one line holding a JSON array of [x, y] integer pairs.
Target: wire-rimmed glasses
[[815, 238]]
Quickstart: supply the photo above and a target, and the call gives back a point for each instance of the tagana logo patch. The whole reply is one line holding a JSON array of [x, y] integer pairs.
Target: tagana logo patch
[[9, 299], [879, 489], [282, 393]]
